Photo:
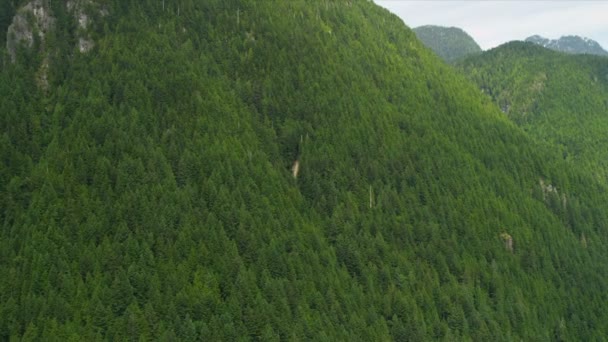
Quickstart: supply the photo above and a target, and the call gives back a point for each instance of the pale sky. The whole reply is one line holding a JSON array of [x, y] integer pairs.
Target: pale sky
[[492, 23]]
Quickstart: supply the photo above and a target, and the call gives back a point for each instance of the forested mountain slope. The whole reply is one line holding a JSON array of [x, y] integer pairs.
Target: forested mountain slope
[[147, 192], [559, 99], [450, 43]]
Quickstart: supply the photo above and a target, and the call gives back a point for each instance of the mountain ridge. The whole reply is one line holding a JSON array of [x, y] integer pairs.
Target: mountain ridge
[[558, 98], [571, 44], [450, 43]]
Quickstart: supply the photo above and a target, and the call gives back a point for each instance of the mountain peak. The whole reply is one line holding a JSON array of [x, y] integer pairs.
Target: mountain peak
[[572, 44], [450, 43]]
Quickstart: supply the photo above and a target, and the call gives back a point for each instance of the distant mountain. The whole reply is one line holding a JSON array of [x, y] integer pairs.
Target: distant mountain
[[557, 98], [570, 44], [450, 43]]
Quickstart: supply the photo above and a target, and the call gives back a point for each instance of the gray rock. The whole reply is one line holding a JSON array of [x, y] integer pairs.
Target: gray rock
[[33, 18]]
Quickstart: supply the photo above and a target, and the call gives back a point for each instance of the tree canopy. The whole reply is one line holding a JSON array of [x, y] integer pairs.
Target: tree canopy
[[147, 193]]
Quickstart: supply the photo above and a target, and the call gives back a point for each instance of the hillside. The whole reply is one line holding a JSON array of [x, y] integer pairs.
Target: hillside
[[570, 44], [450, 43], [147, 190], [559, 99]]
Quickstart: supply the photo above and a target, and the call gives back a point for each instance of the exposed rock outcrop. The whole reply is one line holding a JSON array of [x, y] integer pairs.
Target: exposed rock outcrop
[[508, 241], [33, 19], [78, 8], [295, 168]]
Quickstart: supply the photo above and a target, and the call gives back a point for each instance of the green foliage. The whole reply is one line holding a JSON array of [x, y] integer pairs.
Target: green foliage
[[558, 99], [147, 193], [7, 10]]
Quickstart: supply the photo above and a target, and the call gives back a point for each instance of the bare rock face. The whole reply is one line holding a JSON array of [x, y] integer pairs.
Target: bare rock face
[[32, 19], [78, 9], [85, 44]]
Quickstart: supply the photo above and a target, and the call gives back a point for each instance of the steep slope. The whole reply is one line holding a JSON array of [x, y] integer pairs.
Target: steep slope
[[450, 43], [570, 44], [147, 191], [559, 99]]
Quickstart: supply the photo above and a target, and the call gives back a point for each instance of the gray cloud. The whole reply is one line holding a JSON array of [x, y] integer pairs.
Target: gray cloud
[[492, 23]]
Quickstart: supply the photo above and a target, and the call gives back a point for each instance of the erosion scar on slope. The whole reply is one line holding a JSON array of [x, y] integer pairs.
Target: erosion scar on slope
[[295, 168]]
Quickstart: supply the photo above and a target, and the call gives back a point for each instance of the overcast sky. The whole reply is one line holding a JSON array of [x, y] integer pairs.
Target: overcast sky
[[492, 23]]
